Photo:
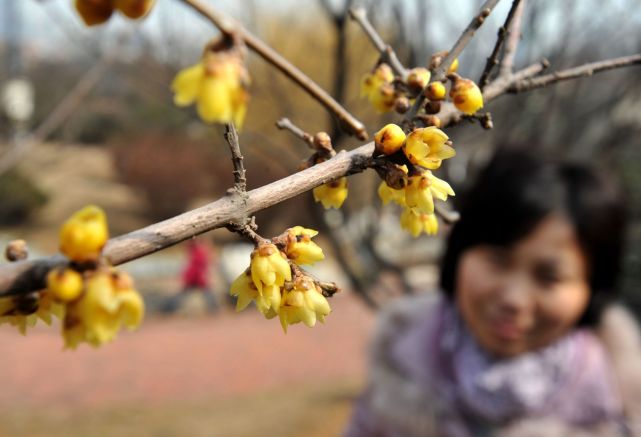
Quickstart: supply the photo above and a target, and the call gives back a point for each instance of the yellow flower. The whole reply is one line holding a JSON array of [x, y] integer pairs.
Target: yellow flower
[[421, 190], [217, 84], [95, 12], [416, 222], [466, 95], [418, 78], [24, 312], [453, 66], [84, 234], [269, 267], [64, 284], [427, 147], [108, 303], [387, 194], [377, 87], [244, 289], [300, 247], [303, 303], [435, 91], [389, 139], [332, 194], [268, 303]]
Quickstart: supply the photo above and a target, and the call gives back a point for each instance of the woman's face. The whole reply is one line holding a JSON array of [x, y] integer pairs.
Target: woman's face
[[525, 296]]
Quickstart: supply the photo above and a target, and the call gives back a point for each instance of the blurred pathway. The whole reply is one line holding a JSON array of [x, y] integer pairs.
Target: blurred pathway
[[179, 358]]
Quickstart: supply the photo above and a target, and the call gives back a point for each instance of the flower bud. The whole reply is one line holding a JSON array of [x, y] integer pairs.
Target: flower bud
[[389, 139], [466, 95], [432, 120], [418, 78], [402, 104], [134, 9], [84, 234], [435, 91], [94, 12], [432, 107], [16, 250], [64, 284]]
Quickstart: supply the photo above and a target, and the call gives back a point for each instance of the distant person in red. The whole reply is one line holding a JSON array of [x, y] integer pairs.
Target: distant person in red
[[195, 276], [197, 269]]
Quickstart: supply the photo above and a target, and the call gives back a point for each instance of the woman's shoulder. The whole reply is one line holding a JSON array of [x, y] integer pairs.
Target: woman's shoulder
[[619, 333], [404, 332], [406, 313]]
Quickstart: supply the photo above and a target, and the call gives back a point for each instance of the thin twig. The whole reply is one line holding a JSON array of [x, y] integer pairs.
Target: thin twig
[[240, 180], [228, 26], [507, 62], [573, 73], [387, 53], [439, 72], [503, 31], [286, 124], [247, 229]]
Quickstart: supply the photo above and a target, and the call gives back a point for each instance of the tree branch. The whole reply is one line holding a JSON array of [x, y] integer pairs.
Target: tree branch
[[28, 275], [573, 73], [387, 53], [240, 180], [228, 26], [514, 31], [439, 72], [24, 276], [503, 31], [286, 124]]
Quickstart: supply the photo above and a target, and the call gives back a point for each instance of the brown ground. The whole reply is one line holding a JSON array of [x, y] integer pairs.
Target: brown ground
[[223, 375]]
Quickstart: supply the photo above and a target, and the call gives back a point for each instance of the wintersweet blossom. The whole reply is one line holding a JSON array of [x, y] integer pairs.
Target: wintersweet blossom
[[389, 194], [303, 303], [269, 267], [300, 247], [428, 147], [421, 190], [331, 194], [217, 84], [466, 95], [377, 87], [84, 234], [417, 222], [108, 303]]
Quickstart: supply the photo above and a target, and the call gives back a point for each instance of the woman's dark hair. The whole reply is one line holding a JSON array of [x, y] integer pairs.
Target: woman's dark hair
[[520, 188]]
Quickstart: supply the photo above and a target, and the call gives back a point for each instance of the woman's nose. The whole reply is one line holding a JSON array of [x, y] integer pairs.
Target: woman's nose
[[515, 295]]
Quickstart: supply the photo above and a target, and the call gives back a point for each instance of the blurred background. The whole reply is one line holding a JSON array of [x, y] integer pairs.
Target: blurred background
[[87, 117]]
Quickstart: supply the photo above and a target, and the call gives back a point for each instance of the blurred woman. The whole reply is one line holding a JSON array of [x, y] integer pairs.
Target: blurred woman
[[523, 339]]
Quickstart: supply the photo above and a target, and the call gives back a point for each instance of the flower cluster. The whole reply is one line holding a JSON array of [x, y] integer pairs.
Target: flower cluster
[[92, 299], [95, 12], [386, 92], [424, 149], [98, 299], [217, 84], [269, 282]]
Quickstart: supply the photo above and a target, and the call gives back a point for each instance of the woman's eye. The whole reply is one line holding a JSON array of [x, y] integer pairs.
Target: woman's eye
[[547, 276]]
